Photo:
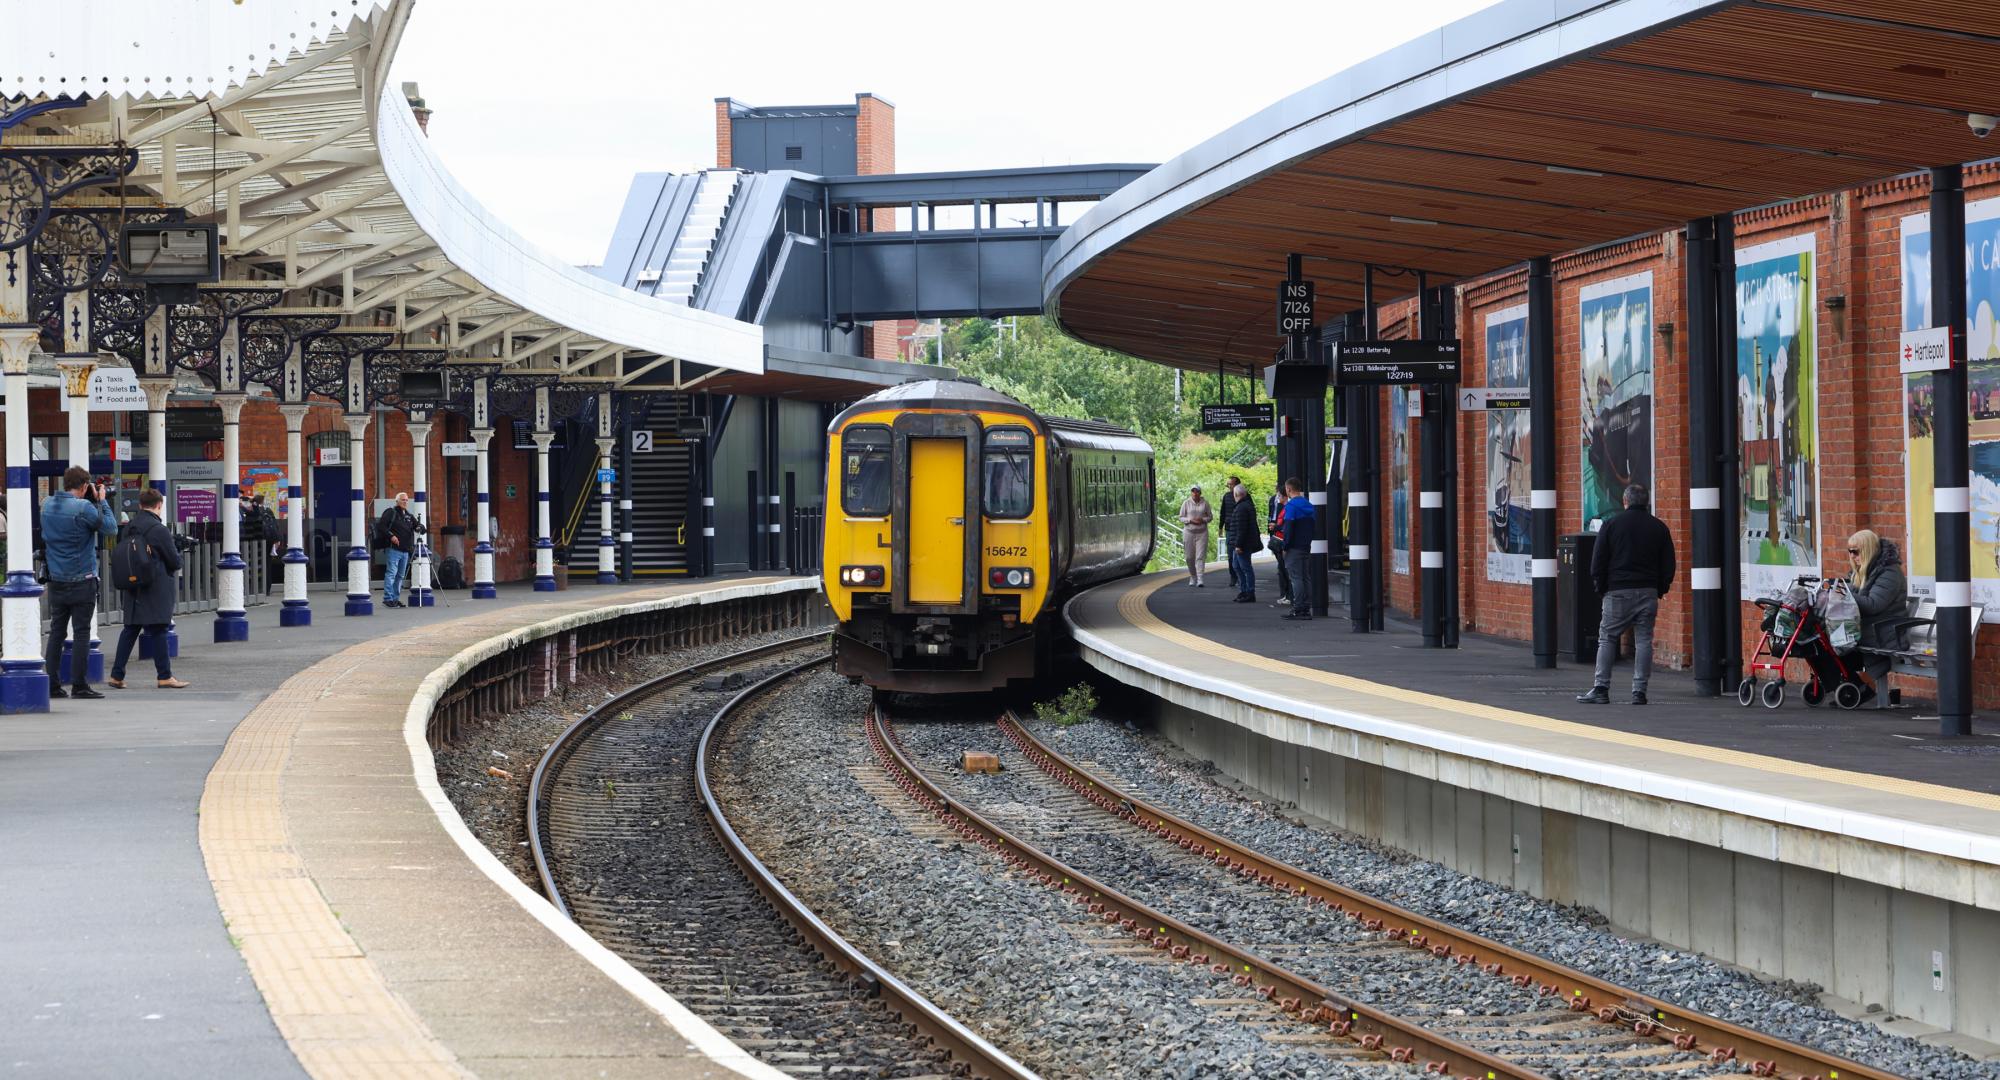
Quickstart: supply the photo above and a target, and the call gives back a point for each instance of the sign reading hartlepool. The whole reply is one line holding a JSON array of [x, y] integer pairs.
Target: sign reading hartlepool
[[1927, 350], [1245, 417], [1387, 363]]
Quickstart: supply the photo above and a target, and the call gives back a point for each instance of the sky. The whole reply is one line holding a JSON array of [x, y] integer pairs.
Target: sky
[[544, 110]]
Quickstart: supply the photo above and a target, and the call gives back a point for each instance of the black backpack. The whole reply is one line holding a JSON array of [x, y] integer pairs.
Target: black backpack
[[451, 574], [133, 564]]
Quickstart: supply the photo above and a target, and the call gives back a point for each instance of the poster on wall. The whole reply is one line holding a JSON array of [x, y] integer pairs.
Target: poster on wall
[[1777, 380], [1615, 324], [265, 480], [1508, 474], [1982, 349], [1399, 479]]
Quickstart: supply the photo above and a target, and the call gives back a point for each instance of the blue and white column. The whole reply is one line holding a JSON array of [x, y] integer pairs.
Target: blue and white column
[[76, 371], [231, 624], [545, 547], [482, 550], [24, 684], [297, 609], [158, 390], [420, 561], [607, 545], [359, 600]]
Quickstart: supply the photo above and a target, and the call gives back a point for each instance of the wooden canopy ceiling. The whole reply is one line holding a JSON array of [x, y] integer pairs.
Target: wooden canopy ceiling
[[1742, 105]]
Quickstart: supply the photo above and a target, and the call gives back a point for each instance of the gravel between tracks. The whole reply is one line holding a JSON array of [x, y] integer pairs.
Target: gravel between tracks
[[1308, 939], [495, 808], [1014, 961], [1154, 769]]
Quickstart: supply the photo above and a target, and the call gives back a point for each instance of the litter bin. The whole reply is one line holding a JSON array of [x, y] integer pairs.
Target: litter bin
[[1577, 603]]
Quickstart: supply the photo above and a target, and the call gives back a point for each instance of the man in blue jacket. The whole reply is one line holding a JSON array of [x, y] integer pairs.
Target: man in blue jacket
[[75, 523], [1301, 527]]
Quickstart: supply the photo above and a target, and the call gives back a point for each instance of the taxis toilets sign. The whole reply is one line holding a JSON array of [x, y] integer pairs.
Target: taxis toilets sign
[[112, 389]]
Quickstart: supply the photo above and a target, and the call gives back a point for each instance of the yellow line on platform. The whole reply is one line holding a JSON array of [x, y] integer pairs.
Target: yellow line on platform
[[1133, 609], [326, 997]]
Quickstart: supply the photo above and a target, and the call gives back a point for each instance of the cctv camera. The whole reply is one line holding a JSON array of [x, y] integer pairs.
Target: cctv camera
[[1981, 124]]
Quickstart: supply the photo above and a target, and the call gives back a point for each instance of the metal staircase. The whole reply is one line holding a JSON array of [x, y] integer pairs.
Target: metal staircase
[[662, 483], [688, 260]]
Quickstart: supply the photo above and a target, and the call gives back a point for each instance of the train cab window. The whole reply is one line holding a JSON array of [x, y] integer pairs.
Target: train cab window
[[1007, 473], [864, 471]]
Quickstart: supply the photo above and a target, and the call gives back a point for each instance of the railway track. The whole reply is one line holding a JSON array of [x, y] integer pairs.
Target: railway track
[[1530, 1014], [631, 844]]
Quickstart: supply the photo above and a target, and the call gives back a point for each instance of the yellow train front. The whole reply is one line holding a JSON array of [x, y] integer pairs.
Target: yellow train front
[[958, 521]]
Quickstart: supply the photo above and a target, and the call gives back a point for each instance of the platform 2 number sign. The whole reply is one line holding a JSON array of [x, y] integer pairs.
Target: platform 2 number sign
[[642, 441]]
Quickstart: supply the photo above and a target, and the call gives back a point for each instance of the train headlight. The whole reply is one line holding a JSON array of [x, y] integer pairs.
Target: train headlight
[[1018, 577], [861, 575]]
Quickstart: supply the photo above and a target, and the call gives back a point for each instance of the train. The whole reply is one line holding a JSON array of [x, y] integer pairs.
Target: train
[[958, 520]]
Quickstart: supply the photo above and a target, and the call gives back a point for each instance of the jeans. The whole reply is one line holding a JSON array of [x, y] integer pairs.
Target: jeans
[[1195, 543], [1246, 580], [1285, 577], [71, 603], [398, 565], [1635, 608], [1294, 564], [156, 642]]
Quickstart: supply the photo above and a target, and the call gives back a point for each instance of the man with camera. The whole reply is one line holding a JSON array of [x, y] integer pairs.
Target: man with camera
[[75, 523]]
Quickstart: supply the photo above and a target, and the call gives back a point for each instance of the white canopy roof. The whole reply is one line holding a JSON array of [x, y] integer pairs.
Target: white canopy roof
[[311, 161]]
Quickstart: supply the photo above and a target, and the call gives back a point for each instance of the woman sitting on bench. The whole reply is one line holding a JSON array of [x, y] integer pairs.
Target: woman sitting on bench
[[1879, 590]]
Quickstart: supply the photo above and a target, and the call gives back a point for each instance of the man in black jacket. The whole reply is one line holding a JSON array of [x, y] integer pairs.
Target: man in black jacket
[[1633, 567], [397, 534]]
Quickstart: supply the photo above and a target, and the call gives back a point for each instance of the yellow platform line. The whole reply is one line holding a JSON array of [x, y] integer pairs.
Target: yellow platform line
[[1132, 607], [326, 997]]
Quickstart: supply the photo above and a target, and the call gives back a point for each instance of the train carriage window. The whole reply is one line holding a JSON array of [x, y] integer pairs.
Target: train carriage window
[[864, 471], [1007, 473]]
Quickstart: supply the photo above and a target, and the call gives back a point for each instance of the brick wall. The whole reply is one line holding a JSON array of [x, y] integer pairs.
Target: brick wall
[[1857, 236], [723, 133]]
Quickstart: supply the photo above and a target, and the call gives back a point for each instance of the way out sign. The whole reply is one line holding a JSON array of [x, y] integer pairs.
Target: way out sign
[[1482, 398]]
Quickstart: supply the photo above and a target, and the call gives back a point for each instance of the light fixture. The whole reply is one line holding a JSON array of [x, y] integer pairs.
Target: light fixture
[[1567, 171], [1850, 99], [1410, 220]]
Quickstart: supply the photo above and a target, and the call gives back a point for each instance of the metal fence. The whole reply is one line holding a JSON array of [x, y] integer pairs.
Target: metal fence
[[198, 585], [805, 539]]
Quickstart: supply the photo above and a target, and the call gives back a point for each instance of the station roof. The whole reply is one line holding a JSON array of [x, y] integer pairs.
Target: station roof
[[280, 121], [1534, 127]]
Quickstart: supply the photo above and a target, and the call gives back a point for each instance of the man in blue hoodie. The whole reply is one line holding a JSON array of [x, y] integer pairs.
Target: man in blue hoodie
[[1301, 527], [75, 523]]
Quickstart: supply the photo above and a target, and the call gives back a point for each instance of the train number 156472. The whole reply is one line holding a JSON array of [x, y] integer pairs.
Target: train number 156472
[[1008, 551]]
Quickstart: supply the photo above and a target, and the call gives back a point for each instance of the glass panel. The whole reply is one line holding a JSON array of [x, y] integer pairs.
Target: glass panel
[[864, 471], [1007, 473]]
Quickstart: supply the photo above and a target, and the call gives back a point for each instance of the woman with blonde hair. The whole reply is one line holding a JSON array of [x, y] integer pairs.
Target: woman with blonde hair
[[1879, 590]]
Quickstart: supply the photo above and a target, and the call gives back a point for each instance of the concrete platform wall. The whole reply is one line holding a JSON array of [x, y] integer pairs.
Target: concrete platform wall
[[1910, 951]]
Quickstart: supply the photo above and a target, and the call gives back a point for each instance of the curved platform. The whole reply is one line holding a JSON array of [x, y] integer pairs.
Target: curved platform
[[1845, 848], [311, 905]]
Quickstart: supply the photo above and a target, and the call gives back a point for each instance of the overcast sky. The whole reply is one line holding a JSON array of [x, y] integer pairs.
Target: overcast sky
[[544, 110]]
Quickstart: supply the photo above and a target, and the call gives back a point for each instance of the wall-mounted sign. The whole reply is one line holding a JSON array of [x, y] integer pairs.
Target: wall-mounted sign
[[112, 389], [606, 476], [327, 455], [459, 449], [1484, 398], [1391, 363], [642, 441], [1235, 417], [1926, 350], [1295, 307]]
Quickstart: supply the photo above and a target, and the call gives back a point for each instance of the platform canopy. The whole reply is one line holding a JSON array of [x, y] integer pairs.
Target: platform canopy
[[279, 120], [1534, 127]]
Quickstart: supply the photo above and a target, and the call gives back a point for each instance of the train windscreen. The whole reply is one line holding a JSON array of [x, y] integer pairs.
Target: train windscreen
[[1007, 473], [864, 471]]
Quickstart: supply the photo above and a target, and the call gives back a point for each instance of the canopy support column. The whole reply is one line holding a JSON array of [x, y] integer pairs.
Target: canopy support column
[[1951, 455], [1542, 458], [24, 683]]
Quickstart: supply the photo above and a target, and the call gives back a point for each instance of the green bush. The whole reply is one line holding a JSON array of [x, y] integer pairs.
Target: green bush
[[1073, 706]]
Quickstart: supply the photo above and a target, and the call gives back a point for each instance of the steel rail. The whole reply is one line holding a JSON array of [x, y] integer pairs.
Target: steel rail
[[1686, 1029], [962, 1043], [1296, 995], [565, 744]]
